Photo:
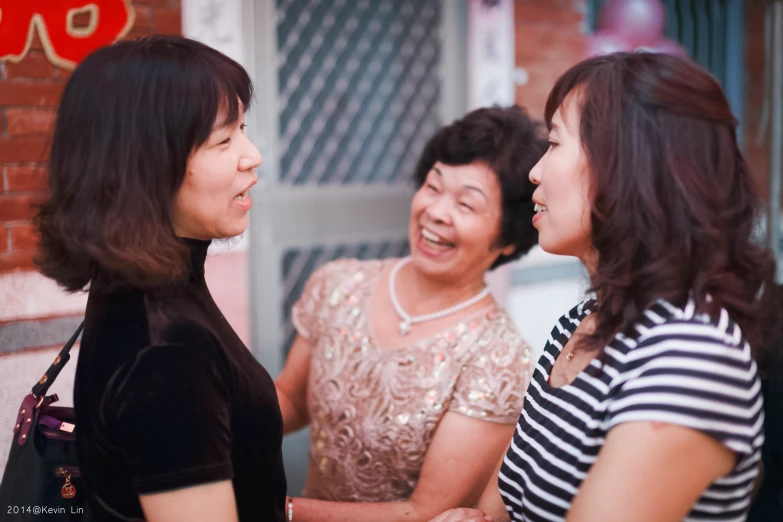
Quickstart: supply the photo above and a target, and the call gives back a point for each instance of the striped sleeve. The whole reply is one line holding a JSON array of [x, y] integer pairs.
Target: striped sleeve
[[694, 374]]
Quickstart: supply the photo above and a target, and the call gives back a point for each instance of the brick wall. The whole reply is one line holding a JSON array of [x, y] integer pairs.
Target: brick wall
[[549, 40], [29, 94]]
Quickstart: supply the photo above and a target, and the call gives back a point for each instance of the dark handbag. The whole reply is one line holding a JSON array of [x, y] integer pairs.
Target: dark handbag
[[42, 480]]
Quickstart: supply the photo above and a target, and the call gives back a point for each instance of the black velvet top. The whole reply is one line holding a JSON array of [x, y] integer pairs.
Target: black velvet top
[[167, 396]]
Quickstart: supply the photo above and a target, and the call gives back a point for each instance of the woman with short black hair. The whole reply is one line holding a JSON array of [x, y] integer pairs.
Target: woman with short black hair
[[176, 420]]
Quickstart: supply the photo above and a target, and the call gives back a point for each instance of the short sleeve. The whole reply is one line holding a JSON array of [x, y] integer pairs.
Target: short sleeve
[[493, 382], [308, 312], [173, 418], [692, 375]]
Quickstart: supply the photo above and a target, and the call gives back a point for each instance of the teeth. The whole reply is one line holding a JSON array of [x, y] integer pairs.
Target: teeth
[[435, 240], [539, 208], [429, 235], [242, 196]]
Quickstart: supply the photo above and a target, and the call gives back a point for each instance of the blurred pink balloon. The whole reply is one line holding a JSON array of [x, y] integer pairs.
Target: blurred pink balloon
[[664, 45], [606, 43], [639, 22]]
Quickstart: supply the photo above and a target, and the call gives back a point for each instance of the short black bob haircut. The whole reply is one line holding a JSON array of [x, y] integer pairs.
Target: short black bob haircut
[[130, 116]]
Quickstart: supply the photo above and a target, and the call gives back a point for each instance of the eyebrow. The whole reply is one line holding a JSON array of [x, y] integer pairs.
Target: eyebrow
[[469, 187], [220, 126], [225, 124]]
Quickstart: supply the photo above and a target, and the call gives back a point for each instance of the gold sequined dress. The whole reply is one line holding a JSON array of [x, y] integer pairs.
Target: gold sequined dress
[[373, 412]]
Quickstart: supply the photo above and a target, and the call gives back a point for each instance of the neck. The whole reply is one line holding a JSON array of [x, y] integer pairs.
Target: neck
[[421, 294], [590, 260]]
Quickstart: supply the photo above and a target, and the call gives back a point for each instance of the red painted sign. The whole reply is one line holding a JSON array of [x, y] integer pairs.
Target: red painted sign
[[65, 43]]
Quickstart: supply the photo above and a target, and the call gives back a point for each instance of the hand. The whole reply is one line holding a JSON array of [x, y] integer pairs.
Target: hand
[[463, 515]]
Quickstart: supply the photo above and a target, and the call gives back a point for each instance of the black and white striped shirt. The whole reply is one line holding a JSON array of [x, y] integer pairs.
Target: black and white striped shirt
[[679, 367]]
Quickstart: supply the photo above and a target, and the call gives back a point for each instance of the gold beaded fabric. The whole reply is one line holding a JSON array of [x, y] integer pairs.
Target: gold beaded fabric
[[373, 411]]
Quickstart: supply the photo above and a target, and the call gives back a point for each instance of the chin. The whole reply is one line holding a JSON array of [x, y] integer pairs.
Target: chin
[[233, 231], [556, 248], [551, 249], [241, 226], [433, 267]]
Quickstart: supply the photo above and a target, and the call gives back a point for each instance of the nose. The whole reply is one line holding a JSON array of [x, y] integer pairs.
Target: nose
[[439, 210], [535, 173], [251, 158]]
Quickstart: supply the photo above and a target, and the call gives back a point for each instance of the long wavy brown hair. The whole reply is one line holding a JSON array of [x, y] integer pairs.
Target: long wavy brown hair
[[674, 206]]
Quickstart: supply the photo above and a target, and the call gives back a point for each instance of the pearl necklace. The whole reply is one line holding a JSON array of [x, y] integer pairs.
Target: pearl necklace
[[407, 321]]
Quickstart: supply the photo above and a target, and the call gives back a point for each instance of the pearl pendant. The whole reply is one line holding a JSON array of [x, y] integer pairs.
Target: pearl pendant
[[569, 356], [405, 328]]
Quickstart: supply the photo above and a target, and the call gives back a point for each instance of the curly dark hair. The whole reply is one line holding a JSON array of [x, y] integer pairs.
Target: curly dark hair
[[130, 116], [510, 143], [674, 205]]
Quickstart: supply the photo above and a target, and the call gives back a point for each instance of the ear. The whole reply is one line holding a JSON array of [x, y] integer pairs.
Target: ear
[[508, 250]]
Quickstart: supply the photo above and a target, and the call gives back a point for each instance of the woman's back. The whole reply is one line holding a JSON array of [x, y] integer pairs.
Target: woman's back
[[167, 396], [768, 501]]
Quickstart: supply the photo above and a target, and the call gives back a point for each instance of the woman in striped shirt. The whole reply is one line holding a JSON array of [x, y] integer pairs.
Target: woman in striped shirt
[[645, 405]]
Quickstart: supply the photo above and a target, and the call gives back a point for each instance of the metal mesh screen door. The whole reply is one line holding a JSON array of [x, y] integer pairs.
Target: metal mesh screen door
[[358, 88], [358, 93], [348, 93]]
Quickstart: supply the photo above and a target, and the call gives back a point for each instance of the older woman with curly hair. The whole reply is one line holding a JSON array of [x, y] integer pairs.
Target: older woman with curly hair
[[408, 373]]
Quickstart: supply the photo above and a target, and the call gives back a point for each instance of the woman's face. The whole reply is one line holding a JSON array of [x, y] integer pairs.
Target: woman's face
[[455, 222], [214, 200], [563, 195]]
